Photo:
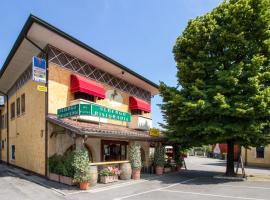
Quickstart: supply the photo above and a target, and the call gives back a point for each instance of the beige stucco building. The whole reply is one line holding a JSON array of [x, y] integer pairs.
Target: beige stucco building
[[91, 101], [257, 156]]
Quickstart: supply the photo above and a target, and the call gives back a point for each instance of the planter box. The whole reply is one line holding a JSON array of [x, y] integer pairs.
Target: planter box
[[167, 169], [108, 179], [54, 177], [66, 180]]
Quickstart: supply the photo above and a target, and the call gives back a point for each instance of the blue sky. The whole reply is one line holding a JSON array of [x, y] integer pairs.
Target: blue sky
[[139, 34]]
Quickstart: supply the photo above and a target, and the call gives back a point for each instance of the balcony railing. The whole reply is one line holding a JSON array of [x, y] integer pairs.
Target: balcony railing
[[89, 111], [140, 122], [87, 117]]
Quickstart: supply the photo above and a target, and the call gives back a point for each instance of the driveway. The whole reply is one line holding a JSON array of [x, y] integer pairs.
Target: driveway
[[195, 183]]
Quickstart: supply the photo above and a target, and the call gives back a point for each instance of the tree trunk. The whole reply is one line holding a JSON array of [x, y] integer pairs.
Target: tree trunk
[[230, 158]]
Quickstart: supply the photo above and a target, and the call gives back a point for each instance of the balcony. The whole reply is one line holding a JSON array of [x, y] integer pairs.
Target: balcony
[[87, 117], [140, 122], [89, 111]]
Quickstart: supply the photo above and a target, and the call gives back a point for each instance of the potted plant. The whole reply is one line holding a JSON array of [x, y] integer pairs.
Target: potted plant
[[61, 169], [82, 170], [135, 161], [109, 174], [167, 166], [159, 159]]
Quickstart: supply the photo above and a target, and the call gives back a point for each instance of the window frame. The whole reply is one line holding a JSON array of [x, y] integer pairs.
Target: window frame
[[116, 142], [12, 110], [18, 106], [261, 153], [85, 96], [136, 112], [23, 103]]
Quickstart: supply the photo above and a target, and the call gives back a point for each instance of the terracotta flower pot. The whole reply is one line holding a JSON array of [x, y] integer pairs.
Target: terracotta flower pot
[[136, 174], [84, 185], [159, 170]]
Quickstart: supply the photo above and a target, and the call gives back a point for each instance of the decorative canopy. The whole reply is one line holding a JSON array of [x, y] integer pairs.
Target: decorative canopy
[[81, 84], [139, 104]]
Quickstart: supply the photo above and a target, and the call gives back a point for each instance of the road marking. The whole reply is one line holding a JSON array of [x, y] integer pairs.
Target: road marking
[[149, 191], [207, 194], [108, 187], [250, 187]]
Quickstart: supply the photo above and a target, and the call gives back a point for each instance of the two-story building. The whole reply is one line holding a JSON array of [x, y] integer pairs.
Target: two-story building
[[88, 100]]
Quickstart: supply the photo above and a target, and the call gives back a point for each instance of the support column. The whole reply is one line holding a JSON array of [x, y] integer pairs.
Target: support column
[[79, 143]]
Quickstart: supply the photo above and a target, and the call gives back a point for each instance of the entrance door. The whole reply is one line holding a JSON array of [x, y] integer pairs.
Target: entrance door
[[113, 150]]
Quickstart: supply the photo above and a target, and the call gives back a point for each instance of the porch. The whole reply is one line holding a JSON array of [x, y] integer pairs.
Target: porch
[[106, 144]]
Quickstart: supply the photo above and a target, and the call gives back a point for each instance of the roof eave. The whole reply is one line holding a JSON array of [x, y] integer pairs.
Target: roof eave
[[33, 19]]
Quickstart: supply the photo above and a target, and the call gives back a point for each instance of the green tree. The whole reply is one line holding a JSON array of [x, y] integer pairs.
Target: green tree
[[223, 62]]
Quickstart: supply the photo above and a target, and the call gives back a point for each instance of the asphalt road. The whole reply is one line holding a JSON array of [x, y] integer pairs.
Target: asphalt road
[[195, 183]]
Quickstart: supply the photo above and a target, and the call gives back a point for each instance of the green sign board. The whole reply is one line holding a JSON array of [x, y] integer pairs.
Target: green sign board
[[69, 111], [93, 110]]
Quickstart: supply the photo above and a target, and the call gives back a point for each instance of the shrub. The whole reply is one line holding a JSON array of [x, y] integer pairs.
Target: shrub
[[81, 166], [62, 164], [159, 156], [135, 156]]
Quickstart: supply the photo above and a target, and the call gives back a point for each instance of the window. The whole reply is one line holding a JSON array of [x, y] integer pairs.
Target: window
[[13, 152], [3, 144], [12, 110], [136, 112], [113, 150], [23, 103], [259, 152], [81, 95], [2, 122], [18, 103]]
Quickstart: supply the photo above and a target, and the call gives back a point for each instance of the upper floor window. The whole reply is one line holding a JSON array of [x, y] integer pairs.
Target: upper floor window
[[18, 103], [23, 103], [136, 112], [260, 152], [3, 121], [81, 95], [12, 110]]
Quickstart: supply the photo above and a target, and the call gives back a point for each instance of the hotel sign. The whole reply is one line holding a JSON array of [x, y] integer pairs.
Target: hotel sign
[[93, 110], [38, 69]]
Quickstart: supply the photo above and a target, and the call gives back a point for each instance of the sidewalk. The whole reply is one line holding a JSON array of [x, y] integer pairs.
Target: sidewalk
[[65, 189]]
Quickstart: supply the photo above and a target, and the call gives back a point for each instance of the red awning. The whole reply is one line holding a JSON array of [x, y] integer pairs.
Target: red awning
[[81, 84], [139, 104]]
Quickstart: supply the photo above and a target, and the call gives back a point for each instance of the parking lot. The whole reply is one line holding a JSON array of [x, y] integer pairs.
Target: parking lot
[[197, 182]]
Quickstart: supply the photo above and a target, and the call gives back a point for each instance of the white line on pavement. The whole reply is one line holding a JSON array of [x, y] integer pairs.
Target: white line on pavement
[[149, 191], [108, 187], [207, 194], [250, 187]]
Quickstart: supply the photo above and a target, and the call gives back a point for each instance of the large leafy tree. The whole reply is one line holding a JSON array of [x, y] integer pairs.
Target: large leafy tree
[[223, 62]]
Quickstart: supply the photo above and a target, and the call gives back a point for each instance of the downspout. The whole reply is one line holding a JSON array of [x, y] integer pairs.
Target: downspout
[[46, 101], [1, 125], [3, 93]]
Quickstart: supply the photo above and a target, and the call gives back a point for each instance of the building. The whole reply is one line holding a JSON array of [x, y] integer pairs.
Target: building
[[91, 101], [256, 156]]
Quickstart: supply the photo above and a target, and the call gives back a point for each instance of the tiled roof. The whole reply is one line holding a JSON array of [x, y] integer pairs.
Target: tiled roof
[[102, 130]]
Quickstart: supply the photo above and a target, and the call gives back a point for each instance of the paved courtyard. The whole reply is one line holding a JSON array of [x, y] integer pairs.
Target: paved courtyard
[[195, 183]]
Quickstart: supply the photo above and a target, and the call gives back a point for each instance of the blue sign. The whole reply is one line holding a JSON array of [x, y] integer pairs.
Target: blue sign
[[39, 69]]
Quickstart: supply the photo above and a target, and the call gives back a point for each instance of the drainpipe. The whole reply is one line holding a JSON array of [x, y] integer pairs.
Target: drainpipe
[[6, 95], [46, 101], [1, 136]]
